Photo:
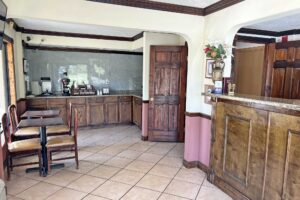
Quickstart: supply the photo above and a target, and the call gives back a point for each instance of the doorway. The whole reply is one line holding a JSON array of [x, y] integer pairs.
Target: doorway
[[167, 92]]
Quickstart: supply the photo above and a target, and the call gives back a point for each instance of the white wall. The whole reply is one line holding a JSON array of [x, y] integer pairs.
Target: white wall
[[220, 26], [245, 45], [84, 12], [155, 39]]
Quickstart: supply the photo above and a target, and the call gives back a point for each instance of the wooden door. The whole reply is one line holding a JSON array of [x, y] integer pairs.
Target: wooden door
[[278, 80], [11, 72], [167, 89]]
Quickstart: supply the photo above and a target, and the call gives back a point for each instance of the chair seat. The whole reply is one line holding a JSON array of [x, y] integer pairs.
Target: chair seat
[[24, 145], [58, 129], [61, 141], [25, 132]]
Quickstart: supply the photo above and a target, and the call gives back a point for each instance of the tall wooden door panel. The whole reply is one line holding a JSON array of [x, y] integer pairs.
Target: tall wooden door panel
[[278, 80], [295, 84], [239, 148], [167, 93]]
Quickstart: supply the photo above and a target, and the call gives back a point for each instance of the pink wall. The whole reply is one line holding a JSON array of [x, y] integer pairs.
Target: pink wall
[[145, 109], [197, 139]]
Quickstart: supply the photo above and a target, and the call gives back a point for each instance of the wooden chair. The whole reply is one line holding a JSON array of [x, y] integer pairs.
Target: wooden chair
[[23, 133], [22, 147], [60, 143], [62, 129]]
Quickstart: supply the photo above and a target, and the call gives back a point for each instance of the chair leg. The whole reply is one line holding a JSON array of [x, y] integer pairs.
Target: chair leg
[[76, 157], [8, 167], [40, 161], [11, 162], [49, 160]]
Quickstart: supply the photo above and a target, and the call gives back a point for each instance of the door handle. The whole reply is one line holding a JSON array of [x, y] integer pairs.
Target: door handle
[[151, 99]]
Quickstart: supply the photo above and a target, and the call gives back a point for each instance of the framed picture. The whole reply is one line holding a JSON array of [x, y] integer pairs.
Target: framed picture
[[208, 89], [209, 67]]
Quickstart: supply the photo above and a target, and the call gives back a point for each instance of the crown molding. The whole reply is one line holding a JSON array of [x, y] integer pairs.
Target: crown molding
[[269, 33], [153, 5]]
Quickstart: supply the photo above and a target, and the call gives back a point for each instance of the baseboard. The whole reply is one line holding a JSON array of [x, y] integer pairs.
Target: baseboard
[[194, 164], [144, 138]]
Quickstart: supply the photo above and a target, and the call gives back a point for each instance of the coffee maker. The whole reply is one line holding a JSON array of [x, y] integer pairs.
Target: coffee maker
[[65, 84]]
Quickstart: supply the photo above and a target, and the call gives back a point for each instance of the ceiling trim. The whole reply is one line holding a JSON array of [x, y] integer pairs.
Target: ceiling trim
[[146, 4], [259, 40], [69, 49], [220, 6], [78, 35], [269, 33]]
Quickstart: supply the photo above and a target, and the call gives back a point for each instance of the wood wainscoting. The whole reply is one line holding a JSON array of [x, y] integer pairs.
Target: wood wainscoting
[[255, 150]]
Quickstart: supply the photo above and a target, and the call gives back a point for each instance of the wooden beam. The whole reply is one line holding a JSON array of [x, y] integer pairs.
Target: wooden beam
[[220, 5], [258, 40], [71, 49]]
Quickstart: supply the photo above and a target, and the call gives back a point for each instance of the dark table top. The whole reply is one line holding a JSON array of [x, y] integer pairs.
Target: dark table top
[[40, 113], [41, 122]]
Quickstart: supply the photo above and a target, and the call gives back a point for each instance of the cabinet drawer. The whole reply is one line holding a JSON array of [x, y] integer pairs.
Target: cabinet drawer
[[95, 100], [113, 99], [58, 101], [125, 98], [79, 100]]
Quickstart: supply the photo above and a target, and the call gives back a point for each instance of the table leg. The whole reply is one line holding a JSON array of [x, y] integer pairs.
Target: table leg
[[43, 137]]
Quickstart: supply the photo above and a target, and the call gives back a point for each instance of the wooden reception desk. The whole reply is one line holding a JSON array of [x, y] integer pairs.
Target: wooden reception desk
[[255, 150]]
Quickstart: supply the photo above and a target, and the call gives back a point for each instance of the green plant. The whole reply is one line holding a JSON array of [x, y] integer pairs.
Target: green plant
[[215, 52]]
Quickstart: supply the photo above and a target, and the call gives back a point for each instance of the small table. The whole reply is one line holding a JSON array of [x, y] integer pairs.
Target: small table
[[42, 123], [40, 113]]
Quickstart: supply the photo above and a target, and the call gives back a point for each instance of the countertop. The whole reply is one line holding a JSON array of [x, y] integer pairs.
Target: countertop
[[88, 96], [292, 104]]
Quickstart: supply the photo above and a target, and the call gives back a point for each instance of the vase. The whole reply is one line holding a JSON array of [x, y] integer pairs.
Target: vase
[[217, 73]]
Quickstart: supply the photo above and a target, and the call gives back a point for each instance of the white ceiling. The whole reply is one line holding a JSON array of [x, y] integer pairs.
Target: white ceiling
[[192, 3], [280, 24], [76, 28]]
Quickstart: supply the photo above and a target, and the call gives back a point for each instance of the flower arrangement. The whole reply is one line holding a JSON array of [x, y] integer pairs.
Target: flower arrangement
[[215, 52]]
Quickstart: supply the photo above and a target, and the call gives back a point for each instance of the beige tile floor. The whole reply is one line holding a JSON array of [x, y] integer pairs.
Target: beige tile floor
[[116, 164]]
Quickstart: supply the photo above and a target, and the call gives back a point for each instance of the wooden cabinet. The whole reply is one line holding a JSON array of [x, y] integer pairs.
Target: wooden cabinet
[[125, 109], [111, 110], [286, 71], [95, 111], [59, 104], [80, 105], [137, 111], [255, 150], [37, 104]]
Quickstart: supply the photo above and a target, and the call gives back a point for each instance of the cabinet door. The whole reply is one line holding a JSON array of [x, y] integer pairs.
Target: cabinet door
[[111, 113], [80, 105], [137, 111], [125, 112], [37, 104], [283, 166], [238, 153], [278, 80], [96, 113], [59, 104]]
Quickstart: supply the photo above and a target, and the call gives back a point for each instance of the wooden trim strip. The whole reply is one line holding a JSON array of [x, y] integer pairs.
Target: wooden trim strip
[[145, 101], [155, 6], [285, 45], [258, 32], [172, 7], [194, 164], [255, 39], [48, 48], [269, 33], [144, 138], [190, 114], [220, 5]]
